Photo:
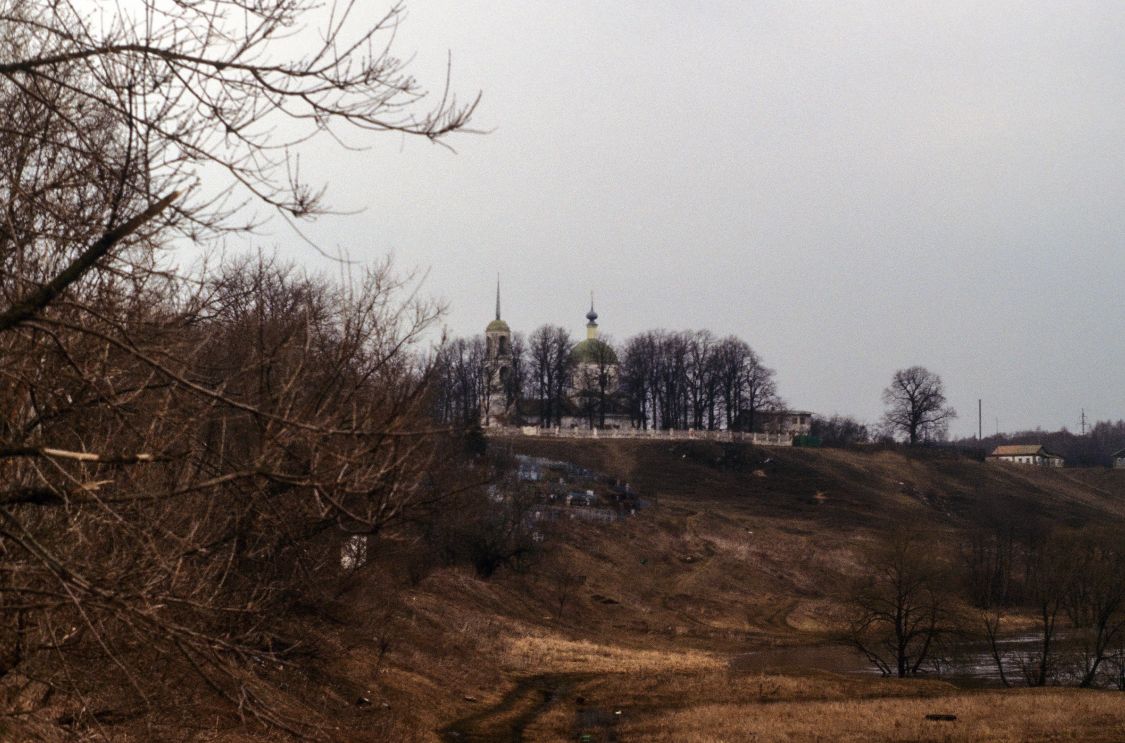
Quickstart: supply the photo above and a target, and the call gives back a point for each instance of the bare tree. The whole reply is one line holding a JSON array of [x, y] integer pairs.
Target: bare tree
[[901, 609], [988, 564], [1094, 598], [732, 357], [461, 388], [517, 382], [184, 85], [702, 380], [550, 366], [1046, 586], [636, 378], [671, 390], [759, 390], [916, 405], [988, 557]]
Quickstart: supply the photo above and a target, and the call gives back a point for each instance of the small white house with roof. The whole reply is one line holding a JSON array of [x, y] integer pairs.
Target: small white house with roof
[[1033, 454], [1118, 460]]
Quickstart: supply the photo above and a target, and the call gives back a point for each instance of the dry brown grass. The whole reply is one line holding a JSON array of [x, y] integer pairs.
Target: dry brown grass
[[996, 716], [712, 707], [552, 654]]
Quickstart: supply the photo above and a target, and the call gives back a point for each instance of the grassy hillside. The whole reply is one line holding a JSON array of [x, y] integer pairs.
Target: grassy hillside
[[664, 617], [708, 616], [838, 489]]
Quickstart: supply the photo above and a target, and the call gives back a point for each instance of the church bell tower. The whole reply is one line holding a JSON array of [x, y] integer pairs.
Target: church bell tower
[[498, 338]]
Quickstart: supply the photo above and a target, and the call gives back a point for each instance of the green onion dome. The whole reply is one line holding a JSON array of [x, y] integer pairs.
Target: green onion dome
[[593, 351]]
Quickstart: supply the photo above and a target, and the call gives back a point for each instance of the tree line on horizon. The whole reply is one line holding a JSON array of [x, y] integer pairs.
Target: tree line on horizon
[[1095, 448], [659, 379]]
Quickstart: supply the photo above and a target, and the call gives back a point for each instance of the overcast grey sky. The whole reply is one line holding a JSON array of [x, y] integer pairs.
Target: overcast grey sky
[[850, 187]]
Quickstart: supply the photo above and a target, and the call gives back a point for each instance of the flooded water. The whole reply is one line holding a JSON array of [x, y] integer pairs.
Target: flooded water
[[974, 665], [971, 663]]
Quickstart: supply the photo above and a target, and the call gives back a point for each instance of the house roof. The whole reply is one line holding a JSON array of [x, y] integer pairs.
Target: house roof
[[1117, 454], [1022, 450]]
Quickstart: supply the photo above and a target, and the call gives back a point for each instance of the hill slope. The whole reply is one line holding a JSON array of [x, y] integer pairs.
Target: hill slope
[[706, 616], [839, 488], [743, 549]]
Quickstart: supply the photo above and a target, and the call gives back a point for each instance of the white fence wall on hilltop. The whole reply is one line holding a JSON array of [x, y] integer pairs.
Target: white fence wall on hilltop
[[759, 439]]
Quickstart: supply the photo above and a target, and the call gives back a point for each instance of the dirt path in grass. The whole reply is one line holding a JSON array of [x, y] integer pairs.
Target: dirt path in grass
[[776, 617], [532, 696]]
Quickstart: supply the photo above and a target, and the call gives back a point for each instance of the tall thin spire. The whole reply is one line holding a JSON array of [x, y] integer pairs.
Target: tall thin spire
[[497, 296], [592, 316]]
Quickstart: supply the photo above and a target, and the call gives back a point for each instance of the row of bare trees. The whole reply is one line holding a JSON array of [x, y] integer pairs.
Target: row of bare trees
[[659, 379], [1073, 583], [692, 379], [919, 607]]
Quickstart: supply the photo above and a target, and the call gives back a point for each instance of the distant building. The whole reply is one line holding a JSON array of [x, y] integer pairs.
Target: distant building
[[498, 336], [592, 398], [786, 422], [1033, 454], [1119, 460]]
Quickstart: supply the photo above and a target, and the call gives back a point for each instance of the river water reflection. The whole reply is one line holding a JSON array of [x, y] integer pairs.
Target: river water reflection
[[972, 663]]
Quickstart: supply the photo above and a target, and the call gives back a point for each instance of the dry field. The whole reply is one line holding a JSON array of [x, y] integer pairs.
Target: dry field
[[1013, 716], [688, 697]]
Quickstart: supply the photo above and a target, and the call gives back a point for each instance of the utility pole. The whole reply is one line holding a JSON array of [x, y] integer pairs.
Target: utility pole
[[1083, 421], [980, 421]]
